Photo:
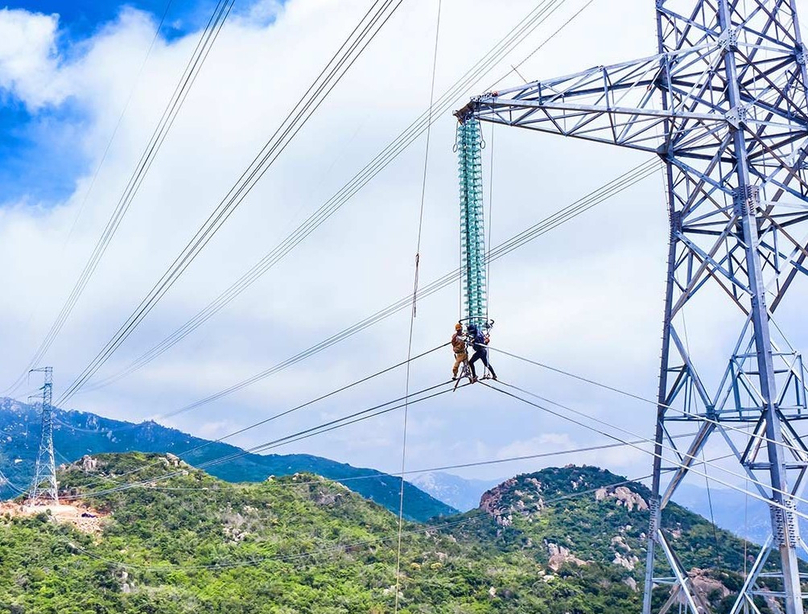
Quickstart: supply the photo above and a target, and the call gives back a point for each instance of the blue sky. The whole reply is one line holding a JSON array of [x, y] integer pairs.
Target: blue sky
[[81, 18], [33, 145]]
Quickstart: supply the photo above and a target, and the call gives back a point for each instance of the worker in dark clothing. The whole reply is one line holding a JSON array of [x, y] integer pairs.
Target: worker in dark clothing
[[479, 342], [459, 349]]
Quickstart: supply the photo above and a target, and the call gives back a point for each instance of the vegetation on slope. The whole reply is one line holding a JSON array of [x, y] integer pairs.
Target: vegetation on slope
[[543, 542]]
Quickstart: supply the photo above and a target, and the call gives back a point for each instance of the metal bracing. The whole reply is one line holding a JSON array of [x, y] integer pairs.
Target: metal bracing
[[44, 489], [472, 223], [723, 104]]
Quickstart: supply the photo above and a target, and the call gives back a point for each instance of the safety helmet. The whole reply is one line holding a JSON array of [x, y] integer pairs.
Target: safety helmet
[[458, 326]]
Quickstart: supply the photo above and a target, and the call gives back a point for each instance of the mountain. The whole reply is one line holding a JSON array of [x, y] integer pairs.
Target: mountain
[[461, 493], [585, 516], [76, 434], [747, 517], [562, 540]]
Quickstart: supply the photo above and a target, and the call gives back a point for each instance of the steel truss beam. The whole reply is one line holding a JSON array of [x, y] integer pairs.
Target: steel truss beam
[[723, 104]]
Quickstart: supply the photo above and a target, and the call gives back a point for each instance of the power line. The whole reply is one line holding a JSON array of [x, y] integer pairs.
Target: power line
[[353, 418], [468, 465], [158, 136], [348, 420], [723, 425], [616, 438], [518, 34], [125, 108], [300, 406], [358, 40], [566, 214]]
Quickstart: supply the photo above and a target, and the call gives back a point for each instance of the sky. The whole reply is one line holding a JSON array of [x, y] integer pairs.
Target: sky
[[586, 297]]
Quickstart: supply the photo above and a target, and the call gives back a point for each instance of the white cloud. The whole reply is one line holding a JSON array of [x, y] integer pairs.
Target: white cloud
[[29, 63]]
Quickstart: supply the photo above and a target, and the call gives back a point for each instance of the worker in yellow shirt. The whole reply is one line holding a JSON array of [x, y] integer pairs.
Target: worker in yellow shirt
[[459, 348]]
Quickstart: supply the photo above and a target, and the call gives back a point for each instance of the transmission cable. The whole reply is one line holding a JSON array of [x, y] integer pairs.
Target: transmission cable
[[342, 422], [681, 465], [172, 109], [754, 435], [367, 29], [353, 418], [380, 474], [564, 215], [518, 34], [296, 408], [125, 108], [366, 415]]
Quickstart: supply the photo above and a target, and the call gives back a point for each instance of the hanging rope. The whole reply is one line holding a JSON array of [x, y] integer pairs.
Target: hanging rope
[[490, 222], [712, 514], [412, 317]]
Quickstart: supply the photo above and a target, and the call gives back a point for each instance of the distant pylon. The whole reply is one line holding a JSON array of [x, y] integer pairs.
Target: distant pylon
[[44, 488]]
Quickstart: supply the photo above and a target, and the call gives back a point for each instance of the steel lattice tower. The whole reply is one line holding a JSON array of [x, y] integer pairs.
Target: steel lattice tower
[[472, 222], [723, 105], [44, 488]]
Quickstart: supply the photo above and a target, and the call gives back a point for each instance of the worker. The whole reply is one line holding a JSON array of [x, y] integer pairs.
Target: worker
[[479, 342], [459, 348]]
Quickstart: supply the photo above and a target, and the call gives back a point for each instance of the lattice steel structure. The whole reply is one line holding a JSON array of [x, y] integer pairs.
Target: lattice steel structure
[[44, 488], [723, 104], [472, 222]]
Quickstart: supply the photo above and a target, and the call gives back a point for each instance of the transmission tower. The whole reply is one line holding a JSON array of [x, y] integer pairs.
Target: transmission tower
[[723, 105], [44, 488]]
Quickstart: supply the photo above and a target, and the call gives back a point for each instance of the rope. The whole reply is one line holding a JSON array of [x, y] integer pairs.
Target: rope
[[414, 313], [712, 514], [490, 223]]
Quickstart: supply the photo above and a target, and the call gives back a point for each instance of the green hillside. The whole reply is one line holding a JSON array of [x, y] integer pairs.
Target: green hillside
[[544, 542], [76, 434]]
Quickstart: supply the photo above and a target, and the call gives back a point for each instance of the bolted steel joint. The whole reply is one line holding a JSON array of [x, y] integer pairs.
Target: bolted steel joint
[[784, 521], [654, 513], [800, 54], [746, 200], [728, 39]]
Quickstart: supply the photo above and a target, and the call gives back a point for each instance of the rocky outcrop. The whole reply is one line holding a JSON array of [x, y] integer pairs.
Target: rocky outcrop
[[623, 496], [492, 503], [560, 555], [88, 463], [506, 500], [327, 498], [627, 561]]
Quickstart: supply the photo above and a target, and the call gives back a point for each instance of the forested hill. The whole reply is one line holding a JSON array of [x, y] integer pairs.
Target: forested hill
[[560, 541], [76, 434]]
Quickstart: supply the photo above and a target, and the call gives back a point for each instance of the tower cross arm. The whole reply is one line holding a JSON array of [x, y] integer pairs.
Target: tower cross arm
[[665, 103]]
